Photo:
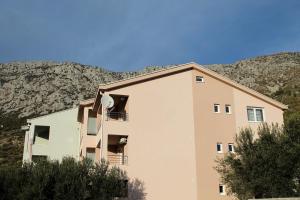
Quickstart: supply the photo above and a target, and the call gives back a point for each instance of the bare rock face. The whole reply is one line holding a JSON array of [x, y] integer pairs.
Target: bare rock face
[[266, 74], [38, 88]]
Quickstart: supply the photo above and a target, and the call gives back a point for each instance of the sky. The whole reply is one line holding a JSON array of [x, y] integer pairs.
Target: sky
[[127, 35]]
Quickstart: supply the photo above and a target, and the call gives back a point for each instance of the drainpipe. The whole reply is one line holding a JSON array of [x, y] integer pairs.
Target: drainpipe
[[102, 132]]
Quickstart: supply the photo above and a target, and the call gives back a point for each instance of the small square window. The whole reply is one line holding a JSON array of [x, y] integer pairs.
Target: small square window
[[230, 147], [217, 108], [219, 148], [228, 109], [222, 189], [199, 79]]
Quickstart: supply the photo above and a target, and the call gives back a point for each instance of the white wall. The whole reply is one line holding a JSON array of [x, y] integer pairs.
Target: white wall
[[63, 137]]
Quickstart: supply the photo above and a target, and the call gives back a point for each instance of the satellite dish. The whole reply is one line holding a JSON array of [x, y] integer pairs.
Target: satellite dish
[[107, 101]]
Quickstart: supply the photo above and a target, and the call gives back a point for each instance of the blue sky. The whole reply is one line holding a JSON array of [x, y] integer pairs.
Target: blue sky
[[124, 35]]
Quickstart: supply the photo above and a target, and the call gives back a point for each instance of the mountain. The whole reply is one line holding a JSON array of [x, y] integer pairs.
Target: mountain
[[29, 89]]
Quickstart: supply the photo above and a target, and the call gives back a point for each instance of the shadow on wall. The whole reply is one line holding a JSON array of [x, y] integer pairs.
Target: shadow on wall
[[136, 190]]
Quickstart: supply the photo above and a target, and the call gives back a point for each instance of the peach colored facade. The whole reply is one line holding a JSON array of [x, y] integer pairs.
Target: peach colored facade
[[170, 129]]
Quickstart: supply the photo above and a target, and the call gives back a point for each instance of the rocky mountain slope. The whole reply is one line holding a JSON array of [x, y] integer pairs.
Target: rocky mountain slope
[[30, 89], [38, 88]]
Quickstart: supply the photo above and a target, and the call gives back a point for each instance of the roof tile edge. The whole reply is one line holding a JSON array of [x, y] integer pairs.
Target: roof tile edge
[[191, 65]]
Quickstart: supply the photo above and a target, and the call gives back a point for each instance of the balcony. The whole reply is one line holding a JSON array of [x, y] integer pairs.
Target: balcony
[[119, 111], [117, 150], [117, 159], [119, 116]]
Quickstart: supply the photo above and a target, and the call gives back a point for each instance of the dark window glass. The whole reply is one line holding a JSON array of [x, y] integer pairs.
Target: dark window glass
[[216, 108], [221, 189], [219, 147], [199, 79], [41, 132], [230, 147]]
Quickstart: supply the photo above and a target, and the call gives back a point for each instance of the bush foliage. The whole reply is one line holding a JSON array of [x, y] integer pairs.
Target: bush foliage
[[68, 179], [267, 166]]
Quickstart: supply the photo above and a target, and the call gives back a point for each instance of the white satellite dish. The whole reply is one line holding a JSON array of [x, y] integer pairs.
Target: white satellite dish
[[107, 101]]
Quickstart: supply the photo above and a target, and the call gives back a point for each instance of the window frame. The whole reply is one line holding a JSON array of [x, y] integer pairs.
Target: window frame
[[223, 189], [221, 147], [199, 81], [218, 106], [87, 151], [229, 107], [254, 113], [232, 146], [36, 133], [91, 127]]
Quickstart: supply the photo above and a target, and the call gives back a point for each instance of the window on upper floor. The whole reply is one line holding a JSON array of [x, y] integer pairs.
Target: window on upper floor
[[231, 147], [219, 147], [228, 109], [222, 189], [120, 109], [199, 79], [217, 108], [41, 134], [255, 114], [92, 123]]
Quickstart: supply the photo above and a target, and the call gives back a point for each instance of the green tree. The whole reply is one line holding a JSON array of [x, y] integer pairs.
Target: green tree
[[264, 166], [69, 179]]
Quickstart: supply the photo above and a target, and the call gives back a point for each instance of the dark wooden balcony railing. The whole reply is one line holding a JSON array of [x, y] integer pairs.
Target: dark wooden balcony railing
[[116, 159], [122, 116]]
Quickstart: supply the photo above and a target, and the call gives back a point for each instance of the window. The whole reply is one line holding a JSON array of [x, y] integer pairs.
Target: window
[[219, 148], [37, 158], [92, 123], [217, 108], [230, 147], [41, 134], [199, 79], [228, 109], [91, 153], [255, 114], [222, 189]]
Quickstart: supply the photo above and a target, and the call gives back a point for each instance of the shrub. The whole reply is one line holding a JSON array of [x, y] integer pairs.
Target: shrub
[[59, 181], [267, 166]]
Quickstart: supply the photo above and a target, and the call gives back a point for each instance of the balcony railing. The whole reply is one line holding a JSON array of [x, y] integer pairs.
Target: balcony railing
[[121, 116], [116, 159]]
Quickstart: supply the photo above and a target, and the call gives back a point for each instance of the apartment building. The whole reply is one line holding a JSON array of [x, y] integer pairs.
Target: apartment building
[[166, 128], [52, 136]]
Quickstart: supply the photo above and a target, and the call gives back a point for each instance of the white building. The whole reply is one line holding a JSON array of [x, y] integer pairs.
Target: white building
[[53, 136]]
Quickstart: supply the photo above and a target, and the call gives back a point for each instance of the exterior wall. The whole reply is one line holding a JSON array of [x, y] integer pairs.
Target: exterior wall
[[87, 141], [63, 136], [211, 128], [272, 114], [161, 150]]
